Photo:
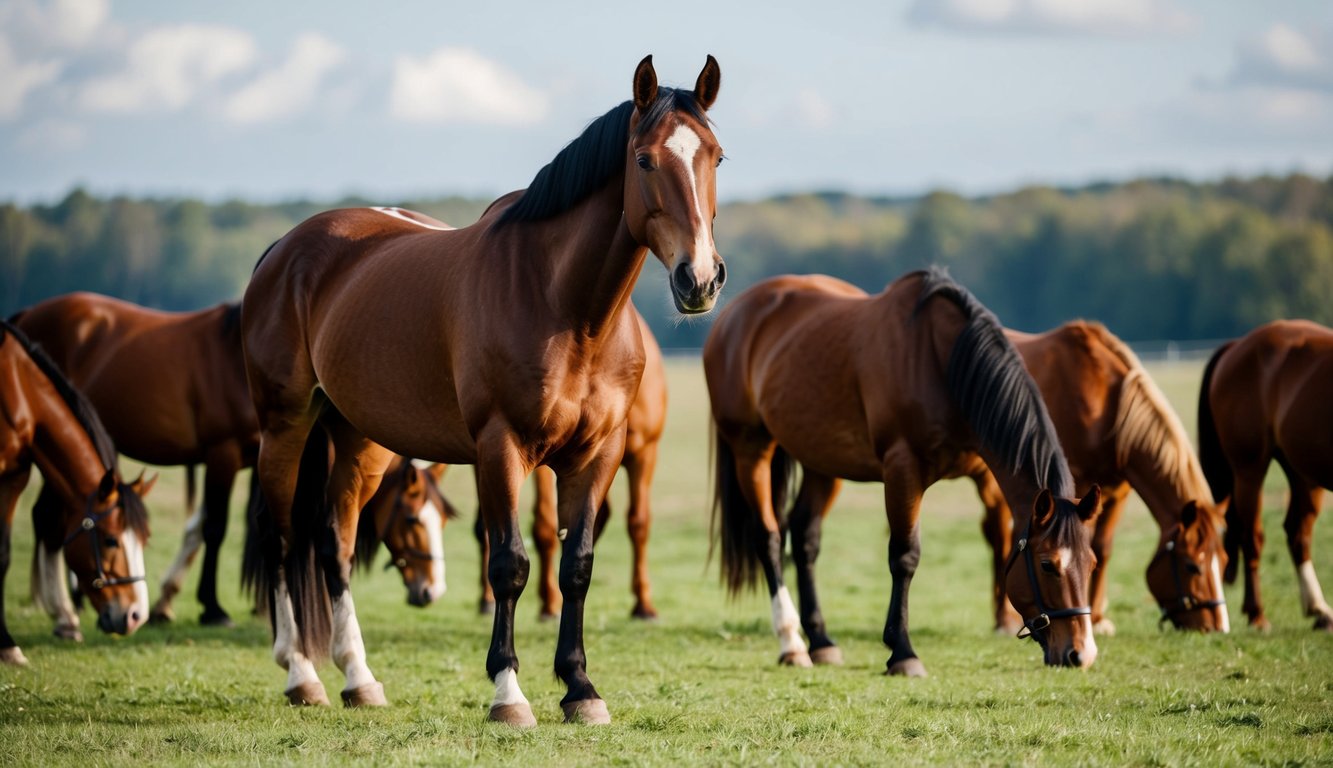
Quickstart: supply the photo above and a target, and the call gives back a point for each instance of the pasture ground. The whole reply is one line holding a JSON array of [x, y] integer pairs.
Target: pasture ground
[[701, 684]]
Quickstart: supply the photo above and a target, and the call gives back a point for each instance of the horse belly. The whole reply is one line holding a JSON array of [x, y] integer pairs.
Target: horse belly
[[817, 419]]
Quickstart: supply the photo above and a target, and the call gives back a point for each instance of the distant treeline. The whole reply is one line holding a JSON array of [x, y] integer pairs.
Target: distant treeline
[[1152, 258]]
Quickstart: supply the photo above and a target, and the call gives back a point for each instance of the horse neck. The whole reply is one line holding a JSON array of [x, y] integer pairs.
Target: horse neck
[[592, 260], [1020, 491], [1157, 459], [1165, 490], [62, 448]]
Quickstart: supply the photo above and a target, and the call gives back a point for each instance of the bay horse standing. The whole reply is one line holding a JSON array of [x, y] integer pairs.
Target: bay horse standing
[[647, 419], [533, 359], [170, 388], [892, 388], [98, 521], [1119, 432], [1269, 396]]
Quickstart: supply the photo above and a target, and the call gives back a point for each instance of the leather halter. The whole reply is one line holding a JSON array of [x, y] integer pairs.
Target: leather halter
[[1184, 602], [91, 517], [400, 559], [1039, 623]]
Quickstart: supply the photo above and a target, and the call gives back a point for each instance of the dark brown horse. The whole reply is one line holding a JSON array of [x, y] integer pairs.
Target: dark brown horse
[[533, 358], [170, 388], [1119, 432], [647, 418], [894, 388], [1266, 396], [97, 519]]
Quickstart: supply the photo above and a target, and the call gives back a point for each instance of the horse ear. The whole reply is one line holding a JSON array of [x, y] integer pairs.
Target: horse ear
[[645, 84], [1043, 509], [436, 472], [142, 486], [1189, 515], [706, 87], [411, 478], [1091, 504], [107, 486]]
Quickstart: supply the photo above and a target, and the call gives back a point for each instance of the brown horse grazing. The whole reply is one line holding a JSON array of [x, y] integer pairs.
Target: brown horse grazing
[[533, 359], [1268, 396], [99, 521], [895, 388], [1119, 432], [170, 388], [647, 419], [408, 514]]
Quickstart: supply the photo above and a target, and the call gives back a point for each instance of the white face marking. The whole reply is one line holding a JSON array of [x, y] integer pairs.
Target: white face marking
[[349, 651], [507, 690], [786, 623], [434, 522], [1224, 620], [1088, 653], [684, 143], [134, 555], [1066, 556], [402, 215]]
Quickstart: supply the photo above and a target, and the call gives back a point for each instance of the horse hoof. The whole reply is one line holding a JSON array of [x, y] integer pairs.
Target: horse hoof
[[368, 695], [828, 656], [1261, 625], [587, 711], [66, 632], [13, 656], [643, 613], [795, 659], [308, 695], [1323, 622], [513, 715], [911, 667], [1104, 627], [219, 619], [547, 616], [486, 607]]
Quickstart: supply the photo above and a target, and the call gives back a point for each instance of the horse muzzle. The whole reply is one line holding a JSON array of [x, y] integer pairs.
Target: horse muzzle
[[692, 294], [118, 620]]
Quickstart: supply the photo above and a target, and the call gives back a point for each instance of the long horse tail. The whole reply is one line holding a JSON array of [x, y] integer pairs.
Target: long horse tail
[[1216, 468], [735, 525], [258, 537]]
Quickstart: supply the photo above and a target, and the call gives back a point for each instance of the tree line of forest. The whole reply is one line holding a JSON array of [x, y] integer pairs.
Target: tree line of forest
[[1151, 258]]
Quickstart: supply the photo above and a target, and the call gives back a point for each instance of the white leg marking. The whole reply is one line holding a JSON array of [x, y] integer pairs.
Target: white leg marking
[[138, 613], [194, 538], [684, 143], [349, 652], [434, 522], [507, 690], [1312, 597], [50, 591], [1223, 620], [299, 668], [786, 623]]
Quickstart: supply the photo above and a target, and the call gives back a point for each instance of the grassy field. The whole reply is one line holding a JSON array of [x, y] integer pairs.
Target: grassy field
[[700, 685]]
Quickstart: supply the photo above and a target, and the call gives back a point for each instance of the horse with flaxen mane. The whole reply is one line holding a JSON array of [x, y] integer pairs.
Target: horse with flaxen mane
[[97, 521], [1269, 396], [894, 388], [1119, 432], [647, 419], [534, 358]]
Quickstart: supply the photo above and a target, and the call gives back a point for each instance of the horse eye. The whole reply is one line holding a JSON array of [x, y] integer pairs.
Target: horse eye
[[1049, 567], [645, 162], [720, 158], [412, 519], [1193, 568], [111, 542]]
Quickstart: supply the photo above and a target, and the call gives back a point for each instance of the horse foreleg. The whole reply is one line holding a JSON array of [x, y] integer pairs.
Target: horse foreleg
[[639, 520], [1302, 511], [1113, 503], [10, 488], [220, 468], [1247, 510], [902, 504], [175, 577], [486, 603], [546, 538], [996, 522], [806, 524], [580, 497], [500, 473]]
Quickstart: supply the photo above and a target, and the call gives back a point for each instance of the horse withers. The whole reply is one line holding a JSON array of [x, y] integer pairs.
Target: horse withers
[[98, 520], [894, 388], [533, 358]]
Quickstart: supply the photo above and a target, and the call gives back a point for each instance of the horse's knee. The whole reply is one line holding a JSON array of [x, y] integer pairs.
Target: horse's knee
[[508, 570], [904, 557], [576, 573]]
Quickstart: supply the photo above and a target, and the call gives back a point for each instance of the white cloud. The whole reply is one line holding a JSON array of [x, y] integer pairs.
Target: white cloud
[[168, 66], [290, 88], [813, 109], [456, 85], [18, 79], [53, 136], [62, 24], [1285, 57], [1051, 17]]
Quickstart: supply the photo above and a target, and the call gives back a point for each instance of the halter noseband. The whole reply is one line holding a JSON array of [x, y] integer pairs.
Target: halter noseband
[[91, 517], [1185, 602], [398, 506], [1039, 623]]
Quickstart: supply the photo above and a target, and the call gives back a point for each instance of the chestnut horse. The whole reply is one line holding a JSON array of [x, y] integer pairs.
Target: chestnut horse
[[1119, 432], [97, 519], [408, 514], [170, 388], [532, 358], [892, 388], [1266, 396], [647, 419]]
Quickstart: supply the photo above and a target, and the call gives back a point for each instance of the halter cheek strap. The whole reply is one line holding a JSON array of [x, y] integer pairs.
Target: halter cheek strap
[[91, 517], [1184, 602], [1039, 623], [401, 559]]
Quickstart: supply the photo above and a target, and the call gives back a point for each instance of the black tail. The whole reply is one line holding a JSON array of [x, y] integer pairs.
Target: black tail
[[736, 526], [310, 523], [1216, 468], [259, 536]]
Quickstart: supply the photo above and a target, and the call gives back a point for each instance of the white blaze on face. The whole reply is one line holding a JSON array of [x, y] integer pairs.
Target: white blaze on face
[[434, 521], [684, 144], [134, 554], [1088, 653], [1224, 621], [786, 623]]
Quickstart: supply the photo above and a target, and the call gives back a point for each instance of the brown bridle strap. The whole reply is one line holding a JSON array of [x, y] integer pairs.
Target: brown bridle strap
[[1184, 602], [1042, 620], [91, 517]]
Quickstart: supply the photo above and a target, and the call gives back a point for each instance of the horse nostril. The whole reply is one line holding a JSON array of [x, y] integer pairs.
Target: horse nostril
[[720, 278], [683, 278], [1073, 659]]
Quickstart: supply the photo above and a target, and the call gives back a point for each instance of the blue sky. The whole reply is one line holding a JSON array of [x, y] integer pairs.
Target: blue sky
[[272, 100]]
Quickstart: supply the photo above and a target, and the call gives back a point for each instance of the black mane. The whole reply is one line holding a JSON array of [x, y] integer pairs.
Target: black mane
[[988, 382], [588, 162]]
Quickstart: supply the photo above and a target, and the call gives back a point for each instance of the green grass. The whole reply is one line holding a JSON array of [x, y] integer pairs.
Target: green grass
[[700, 685]]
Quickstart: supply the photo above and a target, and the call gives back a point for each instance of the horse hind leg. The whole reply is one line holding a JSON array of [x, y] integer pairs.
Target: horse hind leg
[[546, 537], [1302, 511], [220, 469], [902, 504], [1247, 511], [162, 611], [1102, 541], [10, 488], [639, 520], [807, 517]]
